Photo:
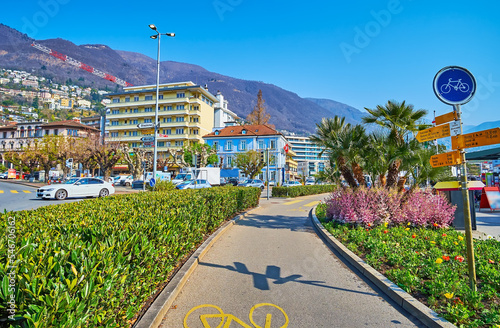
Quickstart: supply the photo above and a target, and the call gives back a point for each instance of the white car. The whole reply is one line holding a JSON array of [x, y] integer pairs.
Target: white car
[[77, 187], [4, 175], [292, 184]]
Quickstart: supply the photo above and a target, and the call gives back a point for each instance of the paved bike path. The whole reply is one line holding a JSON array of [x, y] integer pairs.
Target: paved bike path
[[271, 268]]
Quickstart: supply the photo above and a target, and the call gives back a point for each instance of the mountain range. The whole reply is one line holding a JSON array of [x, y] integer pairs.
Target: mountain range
[[288, 110]]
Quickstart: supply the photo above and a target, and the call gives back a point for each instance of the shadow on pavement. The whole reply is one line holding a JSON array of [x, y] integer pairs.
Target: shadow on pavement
[[273, 274], [299, 224]]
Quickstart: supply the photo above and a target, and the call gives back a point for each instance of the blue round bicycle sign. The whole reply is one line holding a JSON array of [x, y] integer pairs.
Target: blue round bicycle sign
[[454, 85]]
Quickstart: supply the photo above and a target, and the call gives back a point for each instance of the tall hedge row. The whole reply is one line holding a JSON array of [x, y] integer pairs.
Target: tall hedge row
[[301, 190], [94, 263]]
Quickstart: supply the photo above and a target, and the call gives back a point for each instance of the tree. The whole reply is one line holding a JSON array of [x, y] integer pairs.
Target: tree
[[249, 163], [207, 153], [106, 155], [134, 158], [334, 135], [400, 120], [259, 115]]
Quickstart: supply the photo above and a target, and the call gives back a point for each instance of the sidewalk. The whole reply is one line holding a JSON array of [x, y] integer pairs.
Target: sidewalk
[[272, 270]]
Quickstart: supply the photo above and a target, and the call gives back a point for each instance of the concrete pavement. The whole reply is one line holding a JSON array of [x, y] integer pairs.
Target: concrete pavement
[[272, 270]]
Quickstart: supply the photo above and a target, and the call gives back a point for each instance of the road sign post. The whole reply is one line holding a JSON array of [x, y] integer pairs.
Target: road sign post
[[446, 159], [456, 86]]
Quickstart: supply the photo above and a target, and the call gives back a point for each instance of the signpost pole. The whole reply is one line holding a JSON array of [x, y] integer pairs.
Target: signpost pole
[[467, 218], [267, 172]]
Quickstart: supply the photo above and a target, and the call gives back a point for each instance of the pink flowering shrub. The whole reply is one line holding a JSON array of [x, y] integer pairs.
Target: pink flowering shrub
[[369, 207]]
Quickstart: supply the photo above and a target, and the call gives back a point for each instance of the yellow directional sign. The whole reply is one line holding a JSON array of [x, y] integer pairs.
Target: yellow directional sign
[[152, 131], [448, 117], [436, 132], [446, 159], [476, 139]]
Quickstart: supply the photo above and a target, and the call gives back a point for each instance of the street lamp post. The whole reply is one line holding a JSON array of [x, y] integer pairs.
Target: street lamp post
[[155, 151]]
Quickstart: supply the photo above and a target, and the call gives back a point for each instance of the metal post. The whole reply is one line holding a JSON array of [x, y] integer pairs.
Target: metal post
[[267, 172], [155, 152], [467, 216]]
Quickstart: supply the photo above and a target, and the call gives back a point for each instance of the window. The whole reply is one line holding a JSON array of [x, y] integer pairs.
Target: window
[[169, 119], [161, 144], [167, 144], [134, 133], [167, 131], [134, 144], [115, 111], [230, 161], [114, 123], [148, 120], [273, 144], [216, 145], [261, 144], [56, 132], [135, 121], [136, 110], [116, 100], [148, 97], [243, 131], [127, 99], [136, 98], [5, 135], [95, 181], [243, 145], [179, 143], [160, 96], [148, 109], [195, 107], [179, 119], [180, 107], [181, 95], [229, 145], [195, 131], [114, 134], [195, 119], [179, 131], [170, 108]]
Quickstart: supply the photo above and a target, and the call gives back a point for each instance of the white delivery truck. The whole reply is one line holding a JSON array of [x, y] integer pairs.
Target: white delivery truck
[[211, 174]]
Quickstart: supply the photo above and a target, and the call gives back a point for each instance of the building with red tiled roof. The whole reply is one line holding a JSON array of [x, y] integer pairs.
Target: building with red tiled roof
[[236, 139]]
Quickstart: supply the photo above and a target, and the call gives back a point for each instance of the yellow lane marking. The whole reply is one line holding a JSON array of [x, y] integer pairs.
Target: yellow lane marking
[[1, 191], [14, 191], [292, 202], [313, 203], [27, 191]]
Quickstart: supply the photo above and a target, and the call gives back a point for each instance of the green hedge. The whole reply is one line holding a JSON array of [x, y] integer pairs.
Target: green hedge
[[94, 263], [301, 190]]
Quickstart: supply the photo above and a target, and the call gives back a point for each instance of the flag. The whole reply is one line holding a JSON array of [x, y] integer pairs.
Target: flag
[[286, 148]]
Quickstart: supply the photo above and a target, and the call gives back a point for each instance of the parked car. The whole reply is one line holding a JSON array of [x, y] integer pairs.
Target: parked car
[[252, 183], [223, 181], [310, 181], [292, 184], [77, 187], [127, 180], [194, 184], [181, 178], [4, 175], [233, 181]]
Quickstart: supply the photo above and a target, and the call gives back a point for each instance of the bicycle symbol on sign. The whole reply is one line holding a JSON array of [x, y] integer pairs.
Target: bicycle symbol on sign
[[462, 86]]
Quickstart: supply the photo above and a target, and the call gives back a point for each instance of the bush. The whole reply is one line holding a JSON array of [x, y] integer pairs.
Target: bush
[[301, 190], [94, 263], [370, 207], [162, 186]]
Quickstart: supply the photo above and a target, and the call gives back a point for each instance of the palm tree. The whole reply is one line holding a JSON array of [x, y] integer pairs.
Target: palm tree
[[345, 144], [401, 120], [376, 157]]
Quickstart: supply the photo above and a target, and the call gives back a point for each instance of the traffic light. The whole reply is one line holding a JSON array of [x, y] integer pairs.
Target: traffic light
[[263, 156], [198, 160]]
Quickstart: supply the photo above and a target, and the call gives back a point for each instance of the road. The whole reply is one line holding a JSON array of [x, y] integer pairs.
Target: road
[[17, 197], [271, 267]]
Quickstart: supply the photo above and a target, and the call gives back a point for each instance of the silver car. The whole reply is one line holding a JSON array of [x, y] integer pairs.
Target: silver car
[[194, 184], [252, 183]]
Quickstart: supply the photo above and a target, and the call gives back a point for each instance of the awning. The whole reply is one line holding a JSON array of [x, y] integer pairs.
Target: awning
[[484, 155]]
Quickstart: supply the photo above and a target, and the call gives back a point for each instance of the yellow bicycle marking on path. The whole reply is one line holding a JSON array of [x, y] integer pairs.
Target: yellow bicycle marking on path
[[14, 191], [27, 191], [231, 318], [1, 191], [313, 203], [293, 202]]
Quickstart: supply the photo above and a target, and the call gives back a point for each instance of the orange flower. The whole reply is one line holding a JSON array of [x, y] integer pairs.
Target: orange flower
[[414, 236], [446, 258], [385, 231], [459, 258], [491, 261], [435, 224], [444, 235]]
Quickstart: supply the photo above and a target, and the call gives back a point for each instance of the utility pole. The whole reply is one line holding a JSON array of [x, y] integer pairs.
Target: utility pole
[[267, 172]]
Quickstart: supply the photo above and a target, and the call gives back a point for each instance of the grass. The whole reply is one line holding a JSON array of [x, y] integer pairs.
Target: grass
[[431, 265]]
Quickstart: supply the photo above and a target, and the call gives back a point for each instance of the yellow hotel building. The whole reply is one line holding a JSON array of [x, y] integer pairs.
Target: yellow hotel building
[[185, 114]]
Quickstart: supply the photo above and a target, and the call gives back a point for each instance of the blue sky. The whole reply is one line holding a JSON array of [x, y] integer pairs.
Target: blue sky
[[361, 53]]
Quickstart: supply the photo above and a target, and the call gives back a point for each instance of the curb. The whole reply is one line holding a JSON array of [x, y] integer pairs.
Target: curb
[[402, 298], [155, 313]]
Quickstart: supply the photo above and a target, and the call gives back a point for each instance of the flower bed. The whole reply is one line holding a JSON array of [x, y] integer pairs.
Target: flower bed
[[301, 190], [94, 263], [430, 263]]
